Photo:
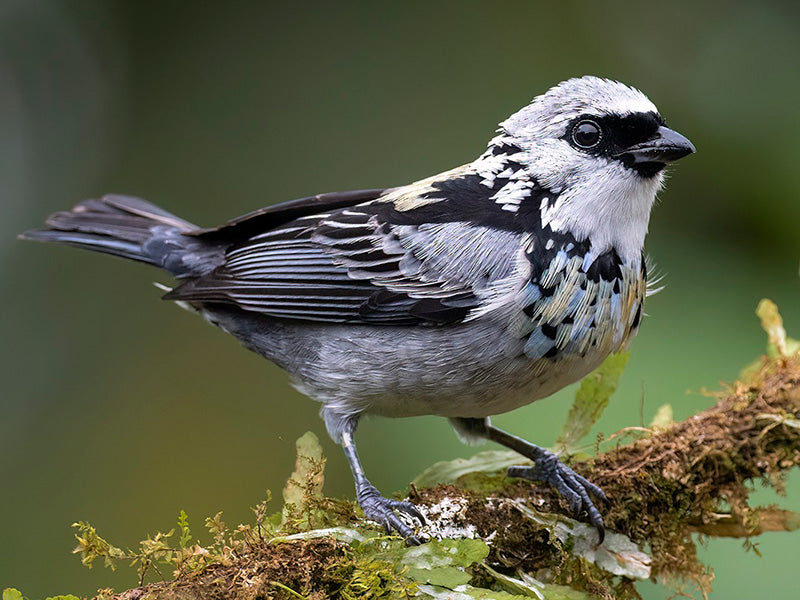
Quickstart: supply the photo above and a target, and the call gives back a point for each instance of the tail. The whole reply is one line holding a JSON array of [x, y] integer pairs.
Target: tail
[[131, 228]]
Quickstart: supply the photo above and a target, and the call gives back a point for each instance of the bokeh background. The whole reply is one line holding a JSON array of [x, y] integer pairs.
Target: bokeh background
[[120, 409]]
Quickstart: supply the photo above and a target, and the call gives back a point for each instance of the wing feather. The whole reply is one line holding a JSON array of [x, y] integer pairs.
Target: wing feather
[[357, 263]]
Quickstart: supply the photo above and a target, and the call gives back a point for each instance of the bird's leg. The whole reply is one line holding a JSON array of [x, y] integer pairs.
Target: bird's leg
[[547, 468], [376, 507]]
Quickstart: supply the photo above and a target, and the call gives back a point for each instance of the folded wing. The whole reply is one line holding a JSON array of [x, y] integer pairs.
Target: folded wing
[[367, 263]]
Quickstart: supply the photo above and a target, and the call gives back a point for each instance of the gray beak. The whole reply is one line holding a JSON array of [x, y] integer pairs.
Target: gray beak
[[665, 147]]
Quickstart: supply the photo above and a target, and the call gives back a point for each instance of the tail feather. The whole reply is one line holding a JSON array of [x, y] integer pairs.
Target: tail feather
[[89, 241], [116, 216], [122, 226], [147, 210]]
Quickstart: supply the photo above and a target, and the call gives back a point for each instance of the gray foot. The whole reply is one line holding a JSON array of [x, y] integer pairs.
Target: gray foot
[[575, 488], [382, 510]]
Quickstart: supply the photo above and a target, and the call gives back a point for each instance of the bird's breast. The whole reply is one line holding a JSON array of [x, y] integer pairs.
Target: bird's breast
[[578, 302]]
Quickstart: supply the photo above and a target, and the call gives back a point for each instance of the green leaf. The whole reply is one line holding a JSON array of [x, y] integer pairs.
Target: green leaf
[[468, 592], [441, 562], [91, 547], [591, 400], [343, 534], [779, 344], [484, 462], [617, 554], [306, 481], [183, 527], [12, 594], [465, 592], [663, 417], [439, 553], [553, 591], [448, 577], [525, 586]]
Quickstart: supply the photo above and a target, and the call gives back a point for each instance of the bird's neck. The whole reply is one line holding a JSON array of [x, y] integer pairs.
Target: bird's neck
[[611, 210], [608, 209]]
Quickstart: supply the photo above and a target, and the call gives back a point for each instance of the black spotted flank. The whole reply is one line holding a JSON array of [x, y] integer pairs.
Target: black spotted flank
[[607, 266], [546, 245], [637, 317], [549, 330]]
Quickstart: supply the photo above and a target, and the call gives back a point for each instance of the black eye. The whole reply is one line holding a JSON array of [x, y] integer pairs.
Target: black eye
[[586, 134]]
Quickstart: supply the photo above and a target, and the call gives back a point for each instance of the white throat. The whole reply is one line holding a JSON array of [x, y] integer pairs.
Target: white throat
[[610, 207]]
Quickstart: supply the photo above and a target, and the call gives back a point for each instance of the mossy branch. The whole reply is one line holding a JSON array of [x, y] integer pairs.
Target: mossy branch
[[505, 538], [688, 478]]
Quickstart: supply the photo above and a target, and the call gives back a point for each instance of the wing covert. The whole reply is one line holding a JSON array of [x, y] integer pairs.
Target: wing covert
[[347, 266], [404, 256]]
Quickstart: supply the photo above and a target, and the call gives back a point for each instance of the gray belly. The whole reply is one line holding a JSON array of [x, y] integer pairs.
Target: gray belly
[[469, 370]]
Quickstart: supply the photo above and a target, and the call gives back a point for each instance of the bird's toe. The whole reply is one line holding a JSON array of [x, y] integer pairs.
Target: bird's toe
[[388, 513], [575, 488]]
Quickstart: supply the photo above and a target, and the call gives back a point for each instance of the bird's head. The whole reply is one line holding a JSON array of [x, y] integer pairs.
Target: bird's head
[[601, 147], [588, 124]]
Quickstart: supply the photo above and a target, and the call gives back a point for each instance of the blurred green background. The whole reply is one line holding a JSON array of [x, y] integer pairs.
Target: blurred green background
[[120, 409]]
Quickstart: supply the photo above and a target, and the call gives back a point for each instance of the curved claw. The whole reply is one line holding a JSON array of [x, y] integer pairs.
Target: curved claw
[[575, 488], [383, 510]]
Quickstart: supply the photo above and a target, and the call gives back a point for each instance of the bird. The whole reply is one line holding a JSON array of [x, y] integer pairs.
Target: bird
[[464, 295]]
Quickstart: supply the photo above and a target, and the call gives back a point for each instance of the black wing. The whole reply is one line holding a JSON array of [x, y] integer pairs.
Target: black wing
[[276, 215], [359, 264]]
